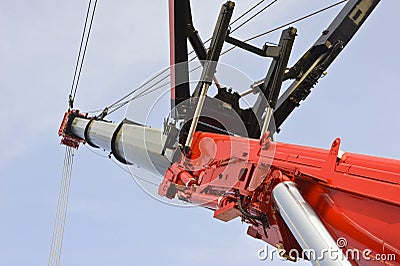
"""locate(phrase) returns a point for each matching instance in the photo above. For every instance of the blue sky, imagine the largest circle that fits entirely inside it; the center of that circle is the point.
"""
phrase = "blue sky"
(111, 220)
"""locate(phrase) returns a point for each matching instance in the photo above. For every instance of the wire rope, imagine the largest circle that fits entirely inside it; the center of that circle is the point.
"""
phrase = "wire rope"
(81, 54)
(62, 206)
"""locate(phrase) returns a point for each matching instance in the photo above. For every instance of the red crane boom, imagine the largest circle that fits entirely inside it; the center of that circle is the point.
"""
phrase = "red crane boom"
(356, 196)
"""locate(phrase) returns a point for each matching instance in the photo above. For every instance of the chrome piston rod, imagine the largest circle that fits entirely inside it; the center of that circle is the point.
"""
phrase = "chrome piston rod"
(306, 226)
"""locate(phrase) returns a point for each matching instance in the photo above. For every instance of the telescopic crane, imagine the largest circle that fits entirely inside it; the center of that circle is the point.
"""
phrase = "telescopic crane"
(213, 153)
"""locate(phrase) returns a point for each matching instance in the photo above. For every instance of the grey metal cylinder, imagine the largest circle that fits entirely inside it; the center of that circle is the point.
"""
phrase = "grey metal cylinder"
(138, 144)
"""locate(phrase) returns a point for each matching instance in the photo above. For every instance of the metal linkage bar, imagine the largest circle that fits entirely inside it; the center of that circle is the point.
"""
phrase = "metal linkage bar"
(181, 30)
(273, 81)
(266, 51)
(214, 52)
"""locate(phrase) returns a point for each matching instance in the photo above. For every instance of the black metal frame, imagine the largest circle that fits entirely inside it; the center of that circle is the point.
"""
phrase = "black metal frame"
(306, 72)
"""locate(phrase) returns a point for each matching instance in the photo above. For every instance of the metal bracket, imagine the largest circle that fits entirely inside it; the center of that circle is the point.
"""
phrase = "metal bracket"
(113, 148)
(266, 51)
(67, 137)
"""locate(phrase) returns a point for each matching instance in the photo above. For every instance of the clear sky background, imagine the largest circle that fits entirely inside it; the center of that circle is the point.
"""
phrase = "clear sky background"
(110, 220)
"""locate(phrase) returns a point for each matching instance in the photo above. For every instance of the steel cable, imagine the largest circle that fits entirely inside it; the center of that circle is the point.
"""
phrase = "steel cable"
(80, 48)
(81, 55)
(62, 206)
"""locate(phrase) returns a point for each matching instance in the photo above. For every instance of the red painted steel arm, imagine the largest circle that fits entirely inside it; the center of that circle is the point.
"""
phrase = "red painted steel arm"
(355, 196)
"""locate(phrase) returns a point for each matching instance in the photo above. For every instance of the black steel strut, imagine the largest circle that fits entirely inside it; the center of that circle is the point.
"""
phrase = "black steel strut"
(210, 65)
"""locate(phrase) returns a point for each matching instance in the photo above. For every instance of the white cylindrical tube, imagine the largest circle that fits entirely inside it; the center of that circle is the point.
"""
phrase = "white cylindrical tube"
(306, 226)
